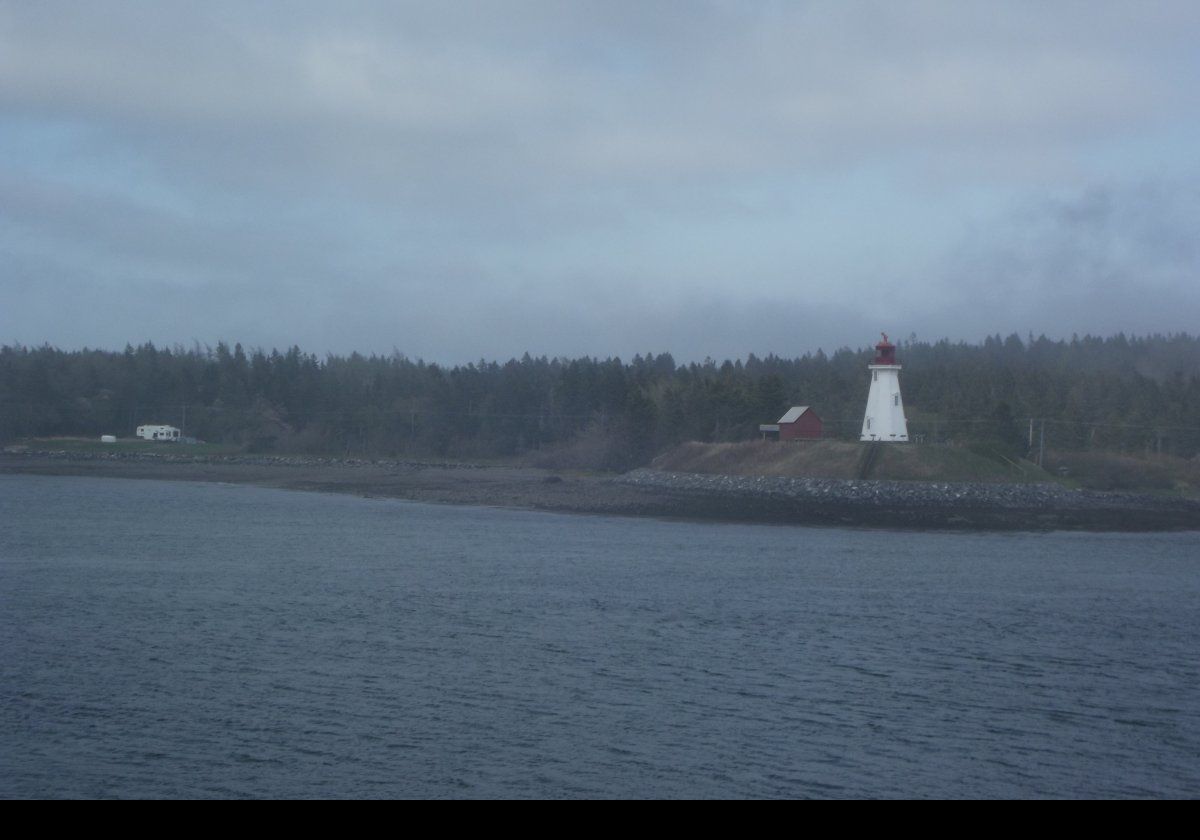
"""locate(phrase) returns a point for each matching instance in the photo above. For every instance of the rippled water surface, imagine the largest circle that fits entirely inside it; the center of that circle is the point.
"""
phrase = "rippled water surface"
(167, 640)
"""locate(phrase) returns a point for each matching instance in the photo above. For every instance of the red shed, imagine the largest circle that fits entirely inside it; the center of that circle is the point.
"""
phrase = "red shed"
(799, 422)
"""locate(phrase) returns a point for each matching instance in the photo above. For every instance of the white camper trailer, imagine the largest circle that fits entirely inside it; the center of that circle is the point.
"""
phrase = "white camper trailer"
(158, 433)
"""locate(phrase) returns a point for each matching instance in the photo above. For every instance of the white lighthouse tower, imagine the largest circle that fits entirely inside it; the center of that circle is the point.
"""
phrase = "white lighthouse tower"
(884, 419)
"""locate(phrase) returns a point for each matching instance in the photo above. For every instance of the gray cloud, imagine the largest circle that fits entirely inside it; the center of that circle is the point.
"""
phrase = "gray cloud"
(607, 89)
(1111, 258)
(485, 178)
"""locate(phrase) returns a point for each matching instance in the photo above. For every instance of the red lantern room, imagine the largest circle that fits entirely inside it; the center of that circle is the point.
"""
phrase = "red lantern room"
(885, 352)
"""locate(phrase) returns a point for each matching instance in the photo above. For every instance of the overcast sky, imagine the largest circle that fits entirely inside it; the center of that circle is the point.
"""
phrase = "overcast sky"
(466, 180)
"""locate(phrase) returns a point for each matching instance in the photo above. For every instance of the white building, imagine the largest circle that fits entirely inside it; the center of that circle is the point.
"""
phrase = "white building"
(884, 419)
(158, 433)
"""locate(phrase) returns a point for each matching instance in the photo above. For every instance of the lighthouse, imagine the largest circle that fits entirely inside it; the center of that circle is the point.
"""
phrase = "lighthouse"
(884, 419)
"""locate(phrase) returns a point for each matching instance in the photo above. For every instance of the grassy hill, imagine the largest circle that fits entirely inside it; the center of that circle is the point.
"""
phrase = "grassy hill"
(935, 462)
(842, 459)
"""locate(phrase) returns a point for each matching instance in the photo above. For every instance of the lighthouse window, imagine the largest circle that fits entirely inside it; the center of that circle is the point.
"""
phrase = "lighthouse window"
(895, 399)
(874, 376)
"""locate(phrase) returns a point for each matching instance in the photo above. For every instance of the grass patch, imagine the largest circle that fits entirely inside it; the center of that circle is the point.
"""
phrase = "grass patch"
(840, 459)
(941, 462)
(1111, 471)
(129, 446)
(817, 459)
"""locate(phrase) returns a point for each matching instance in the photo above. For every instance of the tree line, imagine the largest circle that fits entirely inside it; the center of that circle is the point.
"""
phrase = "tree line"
(1118, 393)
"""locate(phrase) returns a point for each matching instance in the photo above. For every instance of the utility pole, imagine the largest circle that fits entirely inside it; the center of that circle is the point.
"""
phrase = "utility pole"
(1042, 443)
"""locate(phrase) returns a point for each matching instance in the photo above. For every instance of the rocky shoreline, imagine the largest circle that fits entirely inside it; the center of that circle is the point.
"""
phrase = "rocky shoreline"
(913, 504)
(646, 492)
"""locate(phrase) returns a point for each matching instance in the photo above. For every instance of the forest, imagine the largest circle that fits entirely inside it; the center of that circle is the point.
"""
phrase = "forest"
(1133, 395)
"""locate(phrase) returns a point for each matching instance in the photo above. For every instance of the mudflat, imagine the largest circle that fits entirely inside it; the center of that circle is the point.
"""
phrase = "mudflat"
(467, 484)
(923, 505)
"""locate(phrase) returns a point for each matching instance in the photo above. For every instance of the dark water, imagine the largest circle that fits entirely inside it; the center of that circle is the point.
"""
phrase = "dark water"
(163, 639)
